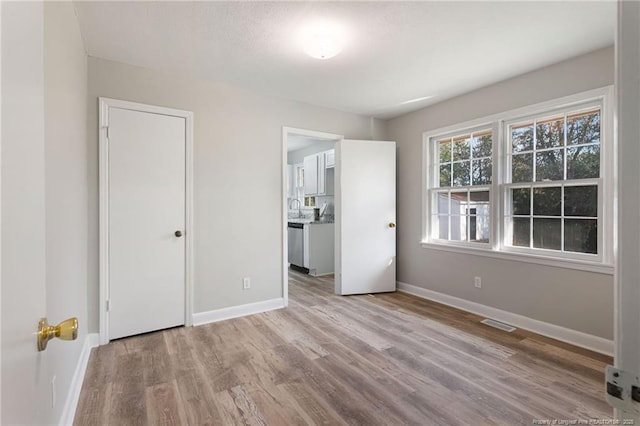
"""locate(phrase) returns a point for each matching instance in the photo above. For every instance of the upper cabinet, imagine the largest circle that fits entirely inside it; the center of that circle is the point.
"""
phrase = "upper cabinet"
(311, 175)
(315, 174)
(330, 158)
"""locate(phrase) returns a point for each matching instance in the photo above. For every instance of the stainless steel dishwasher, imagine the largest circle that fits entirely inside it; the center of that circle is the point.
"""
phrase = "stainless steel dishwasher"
(295, 233)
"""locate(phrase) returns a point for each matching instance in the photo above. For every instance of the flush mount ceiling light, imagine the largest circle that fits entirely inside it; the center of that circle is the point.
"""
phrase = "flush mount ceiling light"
(322, 40)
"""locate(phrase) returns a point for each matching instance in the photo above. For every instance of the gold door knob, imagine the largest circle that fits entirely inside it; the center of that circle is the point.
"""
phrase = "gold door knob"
(66, 330)
(392, 225)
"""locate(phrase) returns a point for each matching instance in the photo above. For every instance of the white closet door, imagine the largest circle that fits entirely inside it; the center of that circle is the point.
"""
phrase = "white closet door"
(146, 176)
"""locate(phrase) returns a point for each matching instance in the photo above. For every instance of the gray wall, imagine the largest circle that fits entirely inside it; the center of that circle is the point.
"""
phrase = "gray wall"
(238, 167)
(66, 187)
(570, 298)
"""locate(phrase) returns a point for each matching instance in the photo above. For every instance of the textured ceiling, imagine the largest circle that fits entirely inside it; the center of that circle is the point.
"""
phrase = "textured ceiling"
(395, 52)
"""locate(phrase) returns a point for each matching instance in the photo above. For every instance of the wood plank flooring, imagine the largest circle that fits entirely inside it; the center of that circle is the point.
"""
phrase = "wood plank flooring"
(385, 359)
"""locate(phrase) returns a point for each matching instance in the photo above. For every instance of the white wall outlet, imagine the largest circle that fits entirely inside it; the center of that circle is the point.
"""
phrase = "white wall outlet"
(477, 282)
(52, 391)
(246, 283)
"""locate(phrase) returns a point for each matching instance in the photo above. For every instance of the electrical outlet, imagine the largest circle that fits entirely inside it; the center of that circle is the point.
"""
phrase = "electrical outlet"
(246, 283)
(52, 391)
(477, 282)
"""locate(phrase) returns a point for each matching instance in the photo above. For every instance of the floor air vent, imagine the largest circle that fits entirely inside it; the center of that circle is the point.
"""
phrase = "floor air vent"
(500, 325)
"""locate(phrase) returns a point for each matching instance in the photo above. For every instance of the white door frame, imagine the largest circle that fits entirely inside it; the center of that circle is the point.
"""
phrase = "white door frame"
(286, 131)
(627, 273)
(105, 104)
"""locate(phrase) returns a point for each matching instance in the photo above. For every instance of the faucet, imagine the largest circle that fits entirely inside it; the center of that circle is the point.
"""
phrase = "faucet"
(299, 206)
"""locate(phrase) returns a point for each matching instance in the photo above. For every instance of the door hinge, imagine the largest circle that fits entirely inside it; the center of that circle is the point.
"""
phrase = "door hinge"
(623, 389)
(108, 305)
(106, 128)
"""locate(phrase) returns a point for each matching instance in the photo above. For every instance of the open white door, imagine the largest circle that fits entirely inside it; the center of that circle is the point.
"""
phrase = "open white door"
(365, 217)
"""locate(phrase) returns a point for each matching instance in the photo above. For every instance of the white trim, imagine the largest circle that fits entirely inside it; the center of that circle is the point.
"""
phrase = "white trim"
(577, 338)
(627, 280)
(68, 412)
(286, 131)
(595, 267)
(216, 315)
(103, 154)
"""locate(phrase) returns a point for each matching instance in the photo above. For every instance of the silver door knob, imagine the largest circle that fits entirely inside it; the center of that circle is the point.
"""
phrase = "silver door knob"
(178, 233)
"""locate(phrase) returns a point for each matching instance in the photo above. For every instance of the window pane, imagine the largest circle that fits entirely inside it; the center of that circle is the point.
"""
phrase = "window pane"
(445, 175)
(479, 203)
(442, 225)
(550, 133)
(583, 128)
(461, 173)
(521, 231)
(522, 168)
(547, 201)
(458, 228)
(550, 165)
(445, 150)
(481, 146)
(521, 201)
(581, 201)
(481, 172)
(522, 138)
(581, 235)
(547, 233)
(479, 229)
(461, 148)
(583, 162)
(459, 202)
(442, 201)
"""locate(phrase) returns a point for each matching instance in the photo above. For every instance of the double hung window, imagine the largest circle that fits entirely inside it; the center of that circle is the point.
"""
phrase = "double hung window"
(533, 182)
(553, 182)
(461, 200)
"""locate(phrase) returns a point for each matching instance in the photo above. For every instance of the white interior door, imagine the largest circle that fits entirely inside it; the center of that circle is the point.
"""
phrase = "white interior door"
(25, 372)
(365, 217)
(146, 179)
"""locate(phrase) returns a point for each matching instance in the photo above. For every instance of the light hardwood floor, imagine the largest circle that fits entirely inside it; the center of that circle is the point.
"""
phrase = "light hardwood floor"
(385, 359)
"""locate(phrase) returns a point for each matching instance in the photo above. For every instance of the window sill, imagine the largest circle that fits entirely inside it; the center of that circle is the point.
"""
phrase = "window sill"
(595, 267)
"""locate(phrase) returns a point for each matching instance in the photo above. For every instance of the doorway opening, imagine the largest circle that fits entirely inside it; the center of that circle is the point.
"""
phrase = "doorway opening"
(308, 197)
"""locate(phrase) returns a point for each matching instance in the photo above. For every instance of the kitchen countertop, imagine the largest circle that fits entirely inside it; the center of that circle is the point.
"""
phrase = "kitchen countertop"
(309, 221)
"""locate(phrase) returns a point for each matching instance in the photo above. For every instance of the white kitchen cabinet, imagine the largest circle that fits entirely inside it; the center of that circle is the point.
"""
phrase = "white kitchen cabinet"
(330, 158)
(315, 176)
(311, 175)
(321, 175)
(319, 246)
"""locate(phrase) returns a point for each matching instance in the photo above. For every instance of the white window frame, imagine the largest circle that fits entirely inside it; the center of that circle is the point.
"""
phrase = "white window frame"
(600, 263)
(432, 157)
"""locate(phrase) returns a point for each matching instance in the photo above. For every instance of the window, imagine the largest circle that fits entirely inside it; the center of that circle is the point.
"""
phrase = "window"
(554, 179)
(461, 208)
(535, 182)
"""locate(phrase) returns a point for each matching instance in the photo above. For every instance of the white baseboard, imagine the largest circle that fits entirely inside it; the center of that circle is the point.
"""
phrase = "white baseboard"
(70, 405)
(578, 338)
(237, 311)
